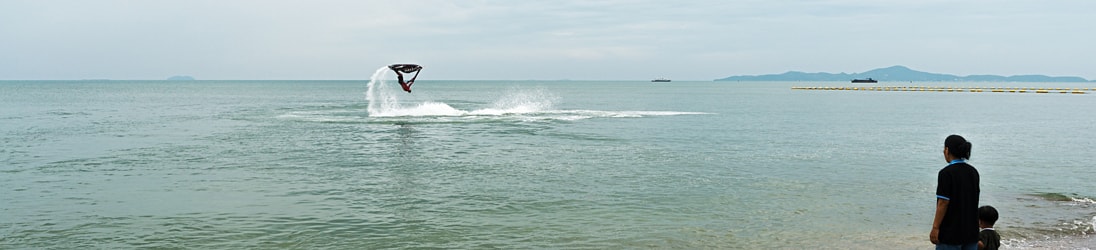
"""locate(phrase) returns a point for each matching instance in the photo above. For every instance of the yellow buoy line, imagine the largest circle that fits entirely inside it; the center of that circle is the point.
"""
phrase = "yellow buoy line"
(954, 89)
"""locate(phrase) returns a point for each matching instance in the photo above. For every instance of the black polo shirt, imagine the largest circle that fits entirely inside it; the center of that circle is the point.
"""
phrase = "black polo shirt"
(958, 183)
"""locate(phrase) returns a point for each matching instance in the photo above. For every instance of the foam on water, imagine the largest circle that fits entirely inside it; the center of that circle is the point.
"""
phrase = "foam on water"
(520, 102)
(423, 109)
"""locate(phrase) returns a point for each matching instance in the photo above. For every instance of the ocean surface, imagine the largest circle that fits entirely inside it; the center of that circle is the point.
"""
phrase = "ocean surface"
(528, 164)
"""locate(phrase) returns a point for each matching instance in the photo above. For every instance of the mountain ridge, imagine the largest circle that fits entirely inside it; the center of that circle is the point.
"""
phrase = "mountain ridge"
(899, 73)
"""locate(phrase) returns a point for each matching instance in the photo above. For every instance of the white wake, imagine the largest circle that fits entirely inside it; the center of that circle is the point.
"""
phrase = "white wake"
(529, 105)
(384, 101)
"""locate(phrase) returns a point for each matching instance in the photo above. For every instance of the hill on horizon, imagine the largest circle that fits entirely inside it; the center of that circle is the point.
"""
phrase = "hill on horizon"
(899, 73)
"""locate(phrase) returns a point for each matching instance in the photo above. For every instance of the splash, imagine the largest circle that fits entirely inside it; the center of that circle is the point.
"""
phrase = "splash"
(424, 109)
(381, 100)
(520, 102)
(385, 102)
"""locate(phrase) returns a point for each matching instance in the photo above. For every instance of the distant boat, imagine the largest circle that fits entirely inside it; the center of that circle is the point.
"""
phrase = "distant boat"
(660, 79)
(869, 80)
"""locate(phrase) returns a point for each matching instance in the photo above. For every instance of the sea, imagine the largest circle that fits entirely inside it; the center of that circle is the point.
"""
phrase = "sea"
(360, 164)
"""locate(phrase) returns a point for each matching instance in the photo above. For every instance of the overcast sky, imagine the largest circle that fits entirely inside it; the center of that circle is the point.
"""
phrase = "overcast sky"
(540, 40)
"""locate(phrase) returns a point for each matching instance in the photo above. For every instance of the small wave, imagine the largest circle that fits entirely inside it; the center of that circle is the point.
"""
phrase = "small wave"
(67, 113)
(1067, 235)
(1064, 242)
(1089, 201)
(1073, 198)
(1053, 196)
(324, 115)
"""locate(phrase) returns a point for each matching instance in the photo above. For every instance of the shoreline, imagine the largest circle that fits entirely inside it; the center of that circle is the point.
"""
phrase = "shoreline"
(1064, 242)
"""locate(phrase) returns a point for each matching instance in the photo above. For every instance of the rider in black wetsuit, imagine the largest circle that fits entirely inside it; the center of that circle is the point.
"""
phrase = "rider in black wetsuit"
(406, 68)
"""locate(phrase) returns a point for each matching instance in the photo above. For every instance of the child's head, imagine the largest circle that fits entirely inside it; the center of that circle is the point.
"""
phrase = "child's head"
(987, 215)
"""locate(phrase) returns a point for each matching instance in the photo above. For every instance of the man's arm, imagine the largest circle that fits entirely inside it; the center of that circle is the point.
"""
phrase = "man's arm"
(941, 209)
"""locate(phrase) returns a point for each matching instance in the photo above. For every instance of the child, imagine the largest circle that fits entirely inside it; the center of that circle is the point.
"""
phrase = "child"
(987, 237)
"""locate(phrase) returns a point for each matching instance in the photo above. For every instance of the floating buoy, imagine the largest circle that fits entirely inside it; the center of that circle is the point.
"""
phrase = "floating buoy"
(953, 89)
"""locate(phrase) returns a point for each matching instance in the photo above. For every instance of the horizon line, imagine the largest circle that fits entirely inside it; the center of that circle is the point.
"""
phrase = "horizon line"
(196, 80)
(493, 80)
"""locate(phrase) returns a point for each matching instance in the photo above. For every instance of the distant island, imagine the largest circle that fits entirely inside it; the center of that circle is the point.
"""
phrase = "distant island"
(180, 78)
(900, 74)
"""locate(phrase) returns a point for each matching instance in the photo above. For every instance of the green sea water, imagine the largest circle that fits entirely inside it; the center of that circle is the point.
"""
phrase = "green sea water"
(525, 164)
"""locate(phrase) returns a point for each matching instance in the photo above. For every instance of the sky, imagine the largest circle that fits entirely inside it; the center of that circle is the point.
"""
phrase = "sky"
(539, 40)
